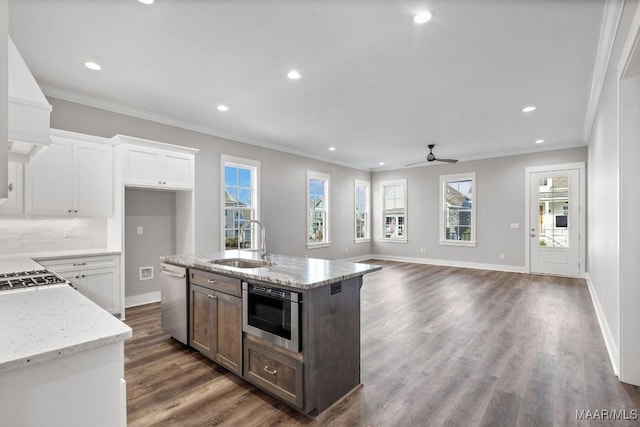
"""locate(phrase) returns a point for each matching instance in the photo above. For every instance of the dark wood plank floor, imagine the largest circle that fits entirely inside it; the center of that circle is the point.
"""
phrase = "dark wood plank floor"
(440, 346)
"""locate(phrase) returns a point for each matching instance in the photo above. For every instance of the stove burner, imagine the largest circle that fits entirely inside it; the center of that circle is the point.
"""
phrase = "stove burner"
(28, 279)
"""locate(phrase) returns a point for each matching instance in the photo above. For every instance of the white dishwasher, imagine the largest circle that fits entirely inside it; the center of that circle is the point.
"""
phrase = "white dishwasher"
(174, 301)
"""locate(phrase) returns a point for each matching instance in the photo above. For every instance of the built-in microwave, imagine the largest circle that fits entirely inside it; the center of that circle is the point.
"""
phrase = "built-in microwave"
(272, 314)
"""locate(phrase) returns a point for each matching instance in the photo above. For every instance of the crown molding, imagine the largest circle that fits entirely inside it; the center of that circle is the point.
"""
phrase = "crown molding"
(94, 102)
(608, 31)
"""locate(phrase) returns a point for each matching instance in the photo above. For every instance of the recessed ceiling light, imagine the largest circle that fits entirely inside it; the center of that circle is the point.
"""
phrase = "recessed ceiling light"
(223, 108)
(294, 75)
(146, 1)
(422, 17)
(93, 66)
(381, 163)
(528, 109)
(539, 141)
(332, 148)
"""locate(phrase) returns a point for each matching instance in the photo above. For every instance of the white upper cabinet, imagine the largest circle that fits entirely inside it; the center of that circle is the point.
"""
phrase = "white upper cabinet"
(153, 164)
(13, 205)
(70, 178)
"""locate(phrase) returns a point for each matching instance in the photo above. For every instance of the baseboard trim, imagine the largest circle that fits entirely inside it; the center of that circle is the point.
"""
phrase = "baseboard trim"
(609, 342)
(441, 262)
(141, 299)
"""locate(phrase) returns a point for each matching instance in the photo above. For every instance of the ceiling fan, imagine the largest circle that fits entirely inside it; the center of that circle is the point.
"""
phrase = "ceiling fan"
(432, 158)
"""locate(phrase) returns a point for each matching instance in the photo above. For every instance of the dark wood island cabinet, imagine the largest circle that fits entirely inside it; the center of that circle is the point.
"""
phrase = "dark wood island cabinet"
(327, 365)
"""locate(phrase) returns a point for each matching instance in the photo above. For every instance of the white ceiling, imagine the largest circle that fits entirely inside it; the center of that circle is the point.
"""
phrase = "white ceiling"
(374, 85)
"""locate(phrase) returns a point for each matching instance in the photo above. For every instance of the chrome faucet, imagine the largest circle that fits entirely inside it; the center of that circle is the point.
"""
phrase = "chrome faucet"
(263, 243)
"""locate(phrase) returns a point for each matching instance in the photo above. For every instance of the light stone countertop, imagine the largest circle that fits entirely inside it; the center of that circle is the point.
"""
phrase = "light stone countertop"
(24, 262)
(47, 322)
(294, 272)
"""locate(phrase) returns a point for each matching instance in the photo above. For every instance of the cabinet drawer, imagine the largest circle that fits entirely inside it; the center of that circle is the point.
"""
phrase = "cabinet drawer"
(274, 372)
(61, 265)
(216, 282)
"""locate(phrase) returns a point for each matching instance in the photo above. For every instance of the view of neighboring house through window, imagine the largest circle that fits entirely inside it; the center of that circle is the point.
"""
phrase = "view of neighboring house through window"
(394, 206)
(457, 214)
(317, 209)
(240, 189)
(362, 208)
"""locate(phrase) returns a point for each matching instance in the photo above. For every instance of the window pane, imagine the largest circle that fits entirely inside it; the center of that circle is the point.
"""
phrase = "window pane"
(458, 207)
(553, 210)
(244, 197)
(316, 226)
(244, 177)
(230, 196)
(230, 175)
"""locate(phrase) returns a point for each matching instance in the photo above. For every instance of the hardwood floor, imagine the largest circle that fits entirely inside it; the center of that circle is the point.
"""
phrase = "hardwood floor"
(440, 346)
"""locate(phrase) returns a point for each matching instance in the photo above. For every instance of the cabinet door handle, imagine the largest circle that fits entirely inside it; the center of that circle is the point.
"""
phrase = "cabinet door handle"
(69, 211)
(212, 281)
(10, 187)
(266, 369)
(75, 264)
(75, 211)
(164, 182)
(212, 296)
(77, 277)
(83, 276)
(159, 182)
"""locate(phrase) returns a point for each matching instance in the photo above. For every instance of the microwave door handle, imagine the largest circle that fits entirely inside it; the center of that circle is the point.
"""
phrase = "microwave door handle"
(169, 273)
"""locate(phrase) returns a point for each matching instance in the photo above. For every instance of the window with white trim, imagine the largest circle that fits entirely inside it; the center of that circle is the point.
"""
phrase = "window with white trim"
(394, 210)
(458, 209)
(362, 209)
(317, 209)
(240, 201)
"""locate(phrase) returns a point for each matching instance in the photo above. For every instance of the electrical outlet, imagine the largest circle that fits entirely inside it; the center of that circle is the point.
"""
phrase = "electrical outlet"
(346, 250)
(423, 251)
(146, 273)
(515, 225)
(501, 256)
(67, 232)
(140, 231)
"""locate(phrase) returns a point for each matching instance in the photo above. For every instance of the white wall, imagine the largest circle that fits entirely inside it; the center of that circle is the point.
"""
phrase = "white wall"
(4, 93)
(283, 182)
(603, 200)
(499, 200)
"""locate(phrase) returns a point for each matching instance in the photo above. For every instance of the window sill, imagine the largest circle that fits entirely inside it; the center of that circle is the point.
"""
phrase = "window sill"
(318, 245)
(393, 241)
(457, 243)
(361, 240)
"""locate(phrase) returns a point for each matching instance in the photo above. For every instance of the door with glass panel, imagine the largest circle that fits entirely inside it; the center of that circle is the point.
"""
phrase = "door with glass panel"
(554, 222)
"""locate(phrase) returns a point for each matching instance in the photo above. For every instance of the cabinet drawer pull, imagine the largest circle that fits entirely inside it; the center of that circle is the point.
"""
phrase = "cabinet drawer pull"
(75, 264)
(83, 276)
(10, 187)
(266, 369)
(212, 281)
(211, 296)
(69, 211)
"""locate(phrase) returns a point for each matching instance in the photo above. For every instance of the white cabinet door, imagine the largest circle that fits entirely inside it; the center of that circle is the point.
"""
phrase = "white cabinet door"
(13, 204)
(48, 181)
(93, 177)
(142, 167)
(178, 171)
(101, 286)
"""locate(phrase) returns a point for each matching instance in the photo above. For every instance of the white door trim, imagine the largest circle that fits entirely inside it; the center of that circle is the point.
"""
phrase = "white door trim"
(581, 204)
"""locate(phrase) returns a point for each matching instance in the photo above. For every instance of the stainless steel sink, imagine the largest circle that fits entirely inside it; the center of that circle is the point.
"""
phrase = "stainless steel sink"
(243, 263)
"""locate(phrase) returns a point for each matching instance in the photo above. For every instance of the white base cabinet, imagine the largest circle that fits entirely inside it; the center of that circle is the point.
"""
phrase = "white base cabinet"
(96, 277)
(82, 389)
(13, 206)
(70, 178)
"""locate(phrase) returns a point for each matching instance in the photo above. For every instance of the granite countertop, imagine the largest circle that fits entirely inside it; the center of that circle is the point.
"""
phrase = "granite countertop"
(294, 272)
(48, 322)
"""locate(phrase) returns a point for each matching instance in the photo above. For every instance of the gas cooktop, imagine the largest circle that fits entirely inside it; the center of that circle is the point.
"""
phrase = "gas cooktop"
(29, 279)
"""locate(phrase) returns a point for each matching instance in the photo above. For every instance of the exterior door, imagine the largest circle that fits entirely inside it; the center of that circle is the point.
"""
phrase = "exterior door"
(555, 222)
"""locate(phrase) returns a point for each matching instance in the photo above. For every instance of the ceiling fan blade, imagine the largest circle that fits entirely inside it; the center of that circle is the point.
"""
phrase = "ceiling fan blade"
(446, 160)
(417, 163)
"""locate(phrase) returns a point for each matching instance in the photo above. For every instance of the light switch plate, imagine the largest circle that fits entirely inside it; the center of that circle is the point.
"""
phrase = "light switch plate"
(146, 273)
(140, 231)
(515, 225)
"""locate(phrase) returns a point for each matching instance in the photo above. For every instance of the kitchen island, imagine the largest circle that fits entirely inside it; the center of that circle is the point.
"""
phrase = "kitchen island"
(318, 360)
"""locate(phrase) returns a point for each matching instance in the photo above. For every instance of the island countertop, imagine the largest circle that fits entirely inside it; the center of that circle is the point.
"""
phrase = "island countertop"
(294, 272)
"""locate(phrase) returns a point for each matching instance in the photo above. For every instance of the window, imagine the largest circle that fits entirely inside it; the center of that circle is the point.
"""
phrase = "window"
(457, 213)
(317, 209)
(394, 210)
(362, 208)
(240, 190)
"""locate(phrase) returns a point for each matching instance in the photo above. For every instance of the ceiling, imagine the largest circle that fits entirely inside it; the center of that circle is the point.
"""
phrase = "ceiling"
(374, 85)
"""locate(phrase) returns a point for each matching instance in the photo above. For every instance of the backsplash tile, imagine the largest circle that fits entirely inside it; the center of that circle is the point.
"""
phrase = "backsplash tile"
(19, 236)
